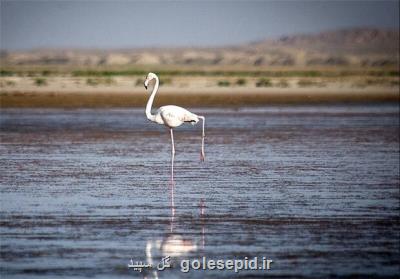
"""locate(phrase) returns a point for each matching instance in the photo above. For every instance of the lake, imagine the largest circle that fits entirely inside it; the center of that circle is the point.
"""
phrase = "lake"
(315, 189)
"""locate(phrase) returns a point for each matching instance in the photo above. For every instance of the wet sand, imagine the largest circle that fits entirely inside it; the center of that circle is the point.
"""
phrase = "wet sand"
(314, 188)
(214, 97)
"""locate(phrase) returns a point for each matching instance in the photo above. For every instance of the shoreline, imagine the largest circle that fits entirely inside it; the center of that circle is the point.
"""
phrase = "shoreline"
(194, 98)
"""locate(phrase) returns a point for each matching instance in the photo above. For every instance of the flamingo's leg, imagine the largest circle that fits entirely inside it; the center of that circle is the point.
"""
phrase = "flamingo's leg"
(172, 181)
(173, 155)
(203, 135)
(172, 207)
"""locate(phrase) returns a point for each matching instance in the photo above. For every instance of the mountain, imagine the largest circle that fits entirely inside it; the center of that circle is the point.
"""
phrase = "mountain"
(352, 46)
(355, 41)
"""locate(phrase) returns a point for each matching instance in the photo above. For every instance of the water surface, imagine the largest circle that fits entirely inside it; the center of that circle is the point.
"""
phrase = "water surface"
(314, 188)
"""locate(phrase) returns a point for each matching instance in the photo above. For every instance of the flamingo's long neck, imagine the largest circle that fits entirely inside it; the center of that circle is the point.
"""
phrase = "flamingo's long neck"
(150, 116)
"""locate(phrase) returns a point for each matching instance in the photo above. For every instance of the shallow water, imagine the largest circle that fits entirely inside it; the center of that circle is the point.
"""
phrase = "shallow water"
(313, 188)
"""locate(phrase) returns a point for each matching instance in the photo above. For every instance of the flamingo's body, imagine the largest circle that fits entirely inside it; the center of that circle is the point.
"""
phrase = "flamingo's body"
(172, 117)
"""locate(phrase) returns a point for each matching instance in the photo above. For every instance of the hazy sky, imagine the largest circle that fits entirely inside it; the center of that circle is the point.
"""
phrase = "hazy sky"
(120, 24)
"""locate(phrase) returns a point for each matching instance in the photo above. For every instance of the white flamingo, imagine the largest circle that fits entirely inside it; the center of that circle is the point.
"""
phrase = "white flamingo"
(172, 117)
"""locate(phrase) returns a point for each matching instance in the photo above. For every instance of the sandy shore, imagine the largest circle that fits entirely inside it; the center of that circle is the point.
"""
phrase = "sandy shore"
(120, 91)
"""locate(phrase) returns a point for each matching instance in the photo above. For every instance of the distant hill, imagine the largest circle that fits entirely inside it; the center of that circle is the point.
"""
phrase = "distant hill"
(353, 46)
(354, 41)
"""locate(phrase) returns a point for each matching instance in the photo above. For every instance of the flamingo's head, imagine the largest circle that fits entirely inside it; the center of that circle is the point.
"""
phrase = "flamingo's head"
(149, 77)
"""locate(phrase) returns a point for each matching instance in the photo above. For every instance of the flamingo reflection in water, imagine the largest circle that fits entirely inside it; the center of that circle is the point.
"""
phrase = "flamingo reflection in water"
(173, 245)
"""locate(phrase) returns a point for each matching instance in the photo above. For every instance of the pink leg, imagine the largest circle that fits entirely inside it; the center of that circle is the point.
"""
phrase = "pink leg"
(172, 180)
(203, 135)
(173, 155)
(172, 206)
(173, 199)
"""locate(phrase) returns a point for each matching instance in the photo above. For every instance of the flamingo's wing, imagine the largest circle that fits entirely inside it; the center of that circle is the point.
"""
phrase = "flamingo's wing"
(175, 116)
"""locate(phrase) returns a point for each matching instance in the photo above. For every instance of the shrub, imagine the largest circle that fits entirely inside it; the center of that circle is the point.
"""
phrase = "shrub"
(241, 82)
(139, 82)
(10, 83)
(40, 81)
(283, 83)
(164, 81)
(6, 73)
(92, 81)
(107, 81)
(46, 73)
(307, 83)
(264, 82)
(97, 81)
(224, 83)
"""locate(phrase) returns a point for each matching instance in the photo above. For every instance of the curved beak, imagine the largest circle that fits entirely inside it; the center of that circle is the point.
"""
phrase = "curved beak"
(146, 83)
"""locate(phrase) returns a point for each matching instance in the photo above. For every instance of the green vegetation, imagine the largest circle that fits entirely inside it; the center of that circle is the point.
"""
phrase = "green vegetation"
(376, 82)
(46, 73)
(6, 73)
(92, 81)
(139, 82)
(10, 83)
(250, 73)
(223, 83)
(309, 83)
(241, 82)
(283, 83)
(305, 83)
(99, 81)
(33, 71)
(165, 81)
(40, 81)
(264, 82)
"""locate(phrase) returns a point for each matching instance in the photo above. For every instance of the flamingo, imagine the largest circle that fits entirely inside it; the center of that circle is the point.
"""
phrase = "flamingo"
(172, 116)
